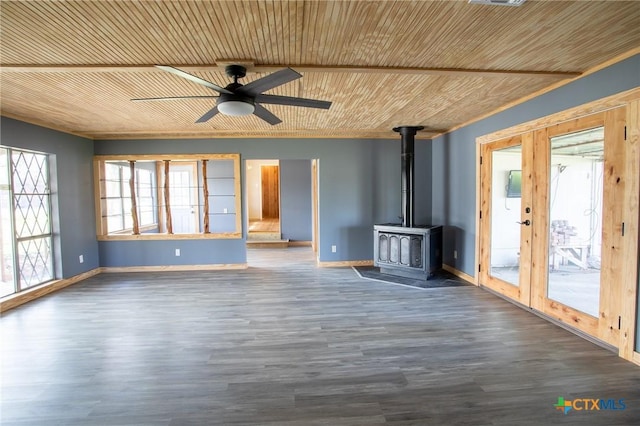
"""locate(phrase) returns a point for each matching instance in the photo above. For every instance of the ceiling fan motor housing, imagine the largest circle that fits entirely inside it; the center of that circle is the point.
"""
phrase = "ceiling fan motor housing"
(235, 71)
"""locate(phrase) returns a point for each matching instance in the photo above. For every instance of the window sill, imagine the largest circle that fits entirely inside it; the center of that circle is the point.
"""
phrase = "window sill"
(151, 237)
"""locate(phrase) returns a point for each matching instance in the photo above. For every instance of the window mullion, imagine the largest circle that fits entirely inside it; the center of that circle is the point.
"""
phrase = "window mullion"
(50, 221)
(167, 196)
(205, 196)
(33, 237)
(12, 215)
(132, 196)
(121, 195)
(16, 245)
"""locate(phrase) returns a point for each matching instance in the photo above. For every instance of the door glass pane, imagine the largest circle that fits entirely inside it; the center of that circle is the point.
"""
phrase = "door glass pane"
(506, 173)
(182, 198)
(575, 200)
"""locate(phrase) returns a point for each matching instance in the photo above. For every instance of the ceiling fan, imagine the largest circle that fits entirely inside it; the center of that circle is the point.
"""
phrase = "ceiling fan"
(243, 99)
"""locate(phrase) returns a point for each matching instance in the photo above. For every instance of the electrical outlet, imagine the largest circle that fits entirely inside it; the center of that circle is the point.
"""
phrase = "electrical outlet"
(225, 210)
(455, 254)
(177, 252)
(334, 249)
(81, 259)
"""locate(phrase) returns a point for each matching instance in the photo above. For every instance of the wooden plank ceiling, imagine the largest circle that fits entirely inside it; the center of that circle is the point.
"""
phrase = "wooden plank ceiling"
(76, 65)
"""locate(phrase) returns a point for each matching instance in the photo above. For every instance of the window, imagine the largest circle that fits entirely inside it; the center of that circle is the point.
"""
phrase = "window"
(118, 195)
(26, 256)
(145, 184)
(168, 196)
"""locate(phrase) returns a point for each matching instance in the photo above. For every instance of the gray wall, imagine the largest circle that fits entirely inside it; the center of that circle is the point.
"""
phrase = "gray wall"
(423, 175)
(359, 185)
(154, 253)
(454, 170)
(295, 200)
(72, 191)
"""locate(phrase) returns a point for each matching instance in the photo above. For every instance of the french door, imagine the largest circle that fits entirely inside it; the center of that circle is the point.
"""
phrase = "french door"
(551, 219)
(506, 218)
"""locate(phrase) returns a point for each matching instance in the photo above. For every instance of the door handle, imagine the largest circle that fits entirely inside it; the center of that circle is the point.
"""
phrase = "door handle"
(525, 223)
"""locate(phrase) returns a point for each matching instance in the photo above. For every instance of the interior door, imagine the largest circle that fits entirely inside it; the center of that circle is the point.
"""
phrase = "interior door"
(551, 206)
(270, 192)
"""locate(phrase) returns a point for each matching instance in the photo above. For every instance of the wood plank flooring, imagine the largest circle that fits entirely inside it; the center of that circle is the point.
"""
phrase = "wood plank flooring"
(286, 343)
(264, 225)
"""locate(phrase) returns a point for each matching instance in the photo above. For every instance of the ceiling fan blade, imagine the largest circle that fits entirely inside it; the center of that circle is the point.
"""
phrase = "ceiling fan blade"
(266, 115)
(270, 81)
(172, 98)
(193, 78)
(207, 116)
(287, 100)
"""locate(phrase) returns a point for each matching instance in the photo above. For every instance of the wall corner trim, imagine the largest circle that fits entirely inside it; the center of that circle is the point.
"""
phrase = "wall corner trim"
(23, 297)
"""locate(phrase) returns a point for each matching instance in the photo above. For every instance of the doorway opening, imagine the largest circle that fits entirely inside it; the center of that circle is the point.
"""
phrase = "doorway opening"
(263, 203)
(282, 204)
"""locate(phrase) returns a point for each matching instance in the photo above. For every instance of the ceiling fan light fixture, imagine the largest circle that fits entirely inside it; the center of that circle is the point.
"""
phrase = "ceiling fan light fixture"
(236, 108)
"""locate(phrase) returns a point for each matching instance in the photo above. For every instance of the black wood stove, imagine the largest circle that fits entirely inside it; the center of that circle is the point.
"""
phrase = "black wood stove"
(406, 249)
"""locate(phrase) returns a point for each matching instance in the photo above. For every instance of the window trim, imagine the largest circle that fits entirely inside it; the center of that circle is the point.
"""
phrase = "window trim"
(100, 203)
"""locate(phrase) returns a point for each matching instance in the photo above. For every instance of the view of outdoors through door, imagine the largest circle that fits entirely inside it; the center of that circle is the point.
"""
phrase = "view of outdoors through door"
(550, 227)
(575, 214)
(26, 256)
(506, 242)
(506, 178)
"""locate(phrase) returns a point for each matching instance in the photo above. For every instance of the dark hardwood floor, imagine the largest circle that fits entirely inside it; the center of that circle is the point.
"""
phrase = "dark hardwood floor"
(286, 343)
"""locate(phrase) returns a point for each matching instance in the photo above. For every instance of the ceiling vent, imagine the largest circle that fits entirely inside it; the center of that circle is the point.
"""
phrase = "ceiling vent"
(498, 2)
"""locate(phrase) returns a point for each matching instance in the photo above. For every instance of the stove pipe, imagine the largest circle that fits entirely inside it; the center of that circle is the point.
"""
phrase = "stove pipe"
(407, 134)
